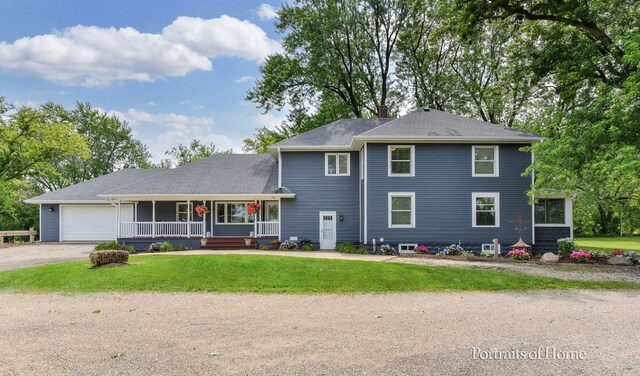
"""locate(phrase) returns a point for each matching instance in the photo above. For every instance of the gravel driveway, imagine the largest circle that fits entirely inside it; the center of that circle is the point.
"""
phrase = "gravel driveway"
(22, 256)
(386, 334)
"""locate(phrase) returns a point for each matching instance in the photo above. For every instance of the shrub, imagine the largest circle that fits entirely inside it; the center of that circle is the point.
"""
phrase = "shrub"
(105, 257)
(362, 251)
(518, 254)
(565, 247)
(129, 248)
(308, 247)
(110, 245)
(180, 247)
(633, 256)
(161, 247)
(453, 249)
(580, 256)
(386, 249)
(346, 247)
(265, 247)
(288, 245)
(486, 254)
(421, 250)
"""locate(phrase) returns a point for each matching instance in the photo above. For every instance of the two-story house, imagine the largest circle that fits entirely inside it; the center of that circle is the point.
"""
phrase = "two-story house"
(428, 177)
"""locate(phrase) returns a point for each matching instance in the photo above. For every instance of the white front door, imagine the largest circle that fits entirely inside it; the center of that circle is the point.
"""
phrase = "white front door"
(327, 230)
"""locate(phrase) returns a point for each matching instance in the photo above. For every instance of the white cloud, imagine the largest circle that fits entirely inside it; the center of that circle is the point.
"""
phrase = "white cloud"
(244, 79)
(95, 56)
(267, 12)
(151, 104)
(223, 36)
(171, 129)
(269, 120)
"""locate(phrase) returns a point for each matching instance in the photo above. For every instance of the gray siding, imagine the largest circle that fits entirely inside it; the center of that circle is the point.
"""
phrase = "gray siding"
(166, 211)
(443, 185)
(50, 222)
(547, 237)
(303, 174)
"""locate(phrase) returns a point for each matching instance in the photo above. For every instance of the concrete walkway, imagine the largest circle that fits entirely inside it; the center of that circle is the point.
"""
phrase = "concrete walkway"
(315, 254)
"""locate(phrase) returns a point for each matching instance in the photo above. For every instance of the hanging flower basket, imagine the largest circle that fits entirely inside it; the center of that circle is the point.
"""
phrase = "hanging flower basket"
(253, 208)
(202, 210)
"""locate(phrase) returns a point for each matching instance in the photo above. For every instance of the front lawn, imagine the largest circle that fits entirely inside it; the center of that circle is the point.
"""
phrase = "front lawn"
(609, 244)
(273, 274)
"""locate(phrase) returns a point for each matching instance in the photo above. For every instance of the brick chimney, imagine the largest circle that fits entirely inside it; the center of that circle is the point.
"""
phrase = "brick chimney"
(383, 112)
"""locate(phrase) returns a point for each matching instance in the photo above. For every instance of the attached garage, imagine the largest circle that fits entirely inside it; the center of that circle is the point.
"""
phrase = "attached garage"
(91, 222)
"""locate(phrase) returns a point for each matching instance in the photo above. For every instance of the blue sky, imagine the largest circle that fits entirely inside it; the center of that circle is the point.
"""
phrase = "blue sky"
(175, 70)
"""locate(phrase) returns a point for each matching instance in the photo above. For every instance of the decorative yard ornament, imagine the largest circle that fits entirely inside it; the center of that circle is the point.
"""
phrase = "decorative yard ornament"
(520, 227)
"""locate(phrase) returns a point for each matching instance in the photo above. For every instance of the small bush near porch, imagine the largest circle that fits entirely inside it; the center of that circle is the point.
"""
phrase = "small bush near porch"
(273, 274)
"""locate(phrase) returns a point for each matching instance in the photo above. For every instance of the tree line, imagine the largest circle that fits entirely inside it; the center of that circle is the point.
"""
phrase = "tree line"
(567, 70)
(50, 147)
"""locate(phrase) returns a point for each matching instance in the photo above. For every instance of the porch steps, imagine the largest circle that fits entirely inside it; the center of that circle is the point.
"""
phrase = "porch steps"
(229, 243)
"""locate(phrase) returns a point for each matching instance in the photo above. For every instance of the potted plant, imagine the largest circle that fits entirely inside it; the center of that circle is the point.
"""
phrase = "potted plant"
(275, 243)
(248, 241)
(203, 242)
(202, 210)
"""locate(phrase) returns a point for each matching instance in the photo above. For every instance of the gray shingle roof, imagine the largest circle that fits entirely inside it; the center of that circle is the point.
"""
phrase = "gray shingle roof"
(438, 124)
(217, 174)
(90, 189)
(338, 133)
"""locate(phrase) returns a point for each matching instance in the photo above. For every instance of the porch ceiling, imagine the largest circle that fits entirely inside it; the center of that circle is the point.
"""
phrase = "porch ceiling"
(178, 197)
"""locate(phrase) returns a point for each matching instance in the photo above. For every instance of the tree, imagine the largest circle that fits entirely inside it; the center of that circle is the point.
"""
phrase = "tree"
(338, 58)
(31, 146)
(111, 144)
(184, 154)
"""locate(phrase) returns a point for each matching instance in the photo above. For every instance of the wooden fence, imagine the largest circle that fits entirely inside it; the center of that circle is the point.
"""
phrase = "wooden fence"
(31, 233)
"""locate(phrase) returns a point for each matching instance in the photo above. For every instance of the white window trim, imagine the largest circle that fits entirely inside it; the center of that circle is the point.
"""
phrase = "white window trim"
(413, 208)
(474, 197)
(326, 164)
(413, 160)
(407, 247)
(496, 160)
(491, 247)
(190, 210)
(568, 213)
(246, 213)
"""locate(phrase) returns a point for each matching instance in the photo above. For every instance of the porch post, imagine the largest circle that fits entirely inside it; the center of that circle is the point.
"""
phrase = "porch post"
(153, 219)
(189, 214)
(204, 221)
(211, 223)
(119, 220)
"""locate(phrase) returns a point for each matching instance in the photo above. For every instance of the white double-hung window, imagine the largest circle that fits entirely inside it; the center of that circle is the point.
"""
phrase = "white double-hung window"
(401, 160)
(337, 164)
(486, 209)
(485, 161)
(402, 209)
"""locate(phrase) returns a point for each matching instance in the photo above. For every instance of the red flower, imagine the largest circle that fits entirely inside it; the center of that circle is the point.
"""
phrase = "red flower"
(253, 208)
(202, 210)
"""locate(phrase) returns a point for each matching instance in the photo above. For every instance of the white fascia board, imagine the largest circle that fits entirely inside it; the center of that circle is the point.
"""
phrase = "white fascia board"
(198, 197)
(444, 139)
(314, 148)
(33, 201)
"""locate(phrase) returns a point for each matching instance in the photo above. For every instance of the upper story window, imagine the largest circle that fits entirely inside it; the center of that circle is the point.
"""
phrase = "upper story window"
(184, 211)
(486, 209)
(550, 211)
(402, 209)
(401, 160)
(485, 160)
(337, 164)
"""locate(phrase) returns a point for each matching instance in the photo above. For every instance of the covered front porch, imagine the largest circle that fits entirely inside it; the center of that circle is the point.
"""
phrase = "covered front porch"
(193, 218)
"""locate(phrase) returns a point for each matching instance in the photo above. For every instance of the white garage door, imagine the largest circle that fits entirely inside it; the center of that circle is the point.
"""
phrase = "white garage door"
(91, 222)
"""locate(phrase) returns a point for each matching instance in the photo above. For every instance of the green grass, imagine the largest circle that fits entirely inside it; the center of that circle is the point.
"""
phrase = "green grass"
(245, 273)
(609, 244)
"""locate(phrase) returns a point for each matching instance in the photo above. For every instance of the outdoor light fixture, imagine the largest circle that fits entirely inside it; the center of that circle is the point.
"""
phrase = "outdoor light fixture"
(341, 217)
(52, 209)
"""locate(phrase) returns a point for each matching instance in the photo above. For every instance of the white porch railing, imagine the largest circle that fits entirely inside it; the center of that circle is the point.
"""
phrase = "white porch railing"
(263, 229)
(162, 229)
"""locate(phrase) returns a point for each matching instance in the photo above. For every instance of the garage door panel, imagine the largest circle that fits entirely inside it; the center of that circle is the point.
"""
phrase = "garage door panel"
(91, 223)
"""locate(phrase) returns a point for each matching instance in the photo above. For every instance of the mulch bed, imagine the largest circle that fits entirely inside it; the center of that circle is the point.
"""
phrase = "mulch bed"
(505, 260)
